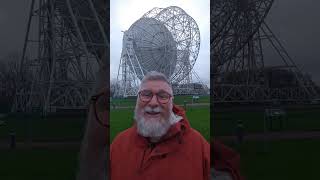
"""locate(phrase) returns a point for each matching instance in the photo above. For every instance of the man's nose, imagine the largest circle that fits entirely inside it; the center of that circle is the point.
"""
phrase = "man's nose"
(154, 101)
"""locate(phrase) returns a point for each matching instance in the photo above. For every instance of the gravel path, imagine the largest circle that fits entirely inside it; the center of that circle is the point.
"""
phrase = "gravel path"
(49, 145)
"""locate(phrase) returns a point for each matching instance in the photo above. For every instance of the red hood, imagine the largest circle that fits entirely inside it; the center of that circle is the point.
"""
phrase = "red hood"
(180, 127)
(225, 159)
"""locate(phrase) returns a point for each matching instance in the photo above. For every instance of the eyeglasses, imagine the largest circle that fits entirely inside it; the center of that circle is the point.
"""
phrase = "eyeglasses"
(162, 96)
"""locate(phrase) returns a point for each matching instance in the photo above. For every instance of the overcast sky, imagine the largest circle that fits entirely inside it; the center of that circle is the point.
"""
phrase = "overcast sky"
(295, 22)
(13, 22)
(123, 13)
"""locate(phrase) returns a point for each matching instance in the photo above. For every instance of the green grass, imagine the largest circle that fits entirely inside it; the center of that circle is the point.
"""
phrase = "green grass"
(285, 159)
(199, 119)
(38, 164)
(61, 164)
(72, 128)
(181, 99)
(297, 120)
(123, 102)
(43, 128)
(122, 119)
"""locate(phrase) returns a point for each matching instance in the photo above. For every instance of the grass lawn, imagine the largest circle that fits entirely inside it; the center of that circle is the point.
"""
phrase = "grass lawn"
(199, 118)
(39, 128)
(285, 159)
(297, 120)
(38, 164)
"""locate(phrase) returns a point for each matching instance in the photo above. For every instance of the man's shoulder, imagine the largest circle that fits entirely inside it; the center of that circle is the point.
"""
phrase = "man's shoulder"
(196, 136)
(123, 136)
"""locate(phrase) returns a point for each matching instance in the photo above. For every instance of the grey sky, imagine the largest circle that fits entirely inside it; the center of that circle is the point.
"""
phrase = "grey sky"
(123, 13)
(295, 22)
(13, 20)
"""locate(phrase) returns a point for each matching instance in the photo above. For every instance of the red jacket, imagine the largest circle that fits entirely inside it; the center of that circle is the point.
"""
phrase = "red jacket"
(181, 154)
(225, 159)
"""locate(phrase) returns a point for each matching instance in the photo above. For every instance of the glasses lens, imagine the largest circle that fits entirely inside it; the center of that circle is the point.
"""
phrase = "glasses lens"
(145, 95)
(163, 97)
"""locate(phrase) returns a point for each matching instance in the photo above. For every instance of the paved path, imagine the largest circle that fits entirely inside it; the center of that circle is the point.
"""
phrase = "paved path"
(37, 145)
(277, 136)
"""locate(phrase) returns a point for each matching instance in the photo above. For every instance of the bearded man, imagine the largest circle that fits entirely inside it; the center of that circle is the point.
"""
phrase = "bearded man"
(160, 144)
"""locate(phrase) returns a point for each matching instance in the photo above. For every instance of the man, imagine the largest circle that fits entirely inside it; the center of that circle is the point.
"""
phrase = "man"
(161, 144)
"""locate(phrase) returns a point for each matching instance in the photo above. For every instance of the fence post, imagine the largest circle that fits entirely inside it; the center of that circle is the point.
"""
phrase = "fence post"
(12, 139)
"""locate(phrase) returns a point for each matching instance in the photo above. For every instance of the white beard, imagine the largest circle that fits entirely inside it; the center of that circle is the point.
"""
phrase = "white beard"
(153, 128)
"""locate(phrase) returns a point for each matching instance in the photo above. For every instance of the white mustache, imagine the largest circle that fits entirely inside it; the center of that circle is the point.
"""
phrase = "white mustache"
(152, 110)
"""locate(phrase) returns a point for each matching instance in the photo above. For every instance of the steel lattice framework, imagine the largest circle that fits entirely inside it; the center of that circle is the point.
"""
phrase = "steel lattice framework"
(166, 40)
(64, 46)
(238, 70)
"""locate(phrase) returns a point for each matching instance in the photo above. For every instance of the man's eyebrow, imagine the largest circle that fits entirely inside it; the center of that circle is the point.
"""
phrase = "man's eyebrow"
(160, 91)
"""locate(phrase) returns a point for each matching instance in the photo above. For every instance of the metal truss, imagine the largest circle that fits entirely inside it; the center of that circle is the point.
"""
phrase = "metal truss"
(231, 93)
(129, 69)
(64, 46)
(186, 34)
(192, 86)
(238, 70)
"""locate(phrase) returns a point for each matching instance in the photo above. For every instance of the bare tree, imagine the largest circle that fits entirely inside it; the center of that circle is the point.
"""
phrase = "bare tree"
(9, 74)
(114, 86)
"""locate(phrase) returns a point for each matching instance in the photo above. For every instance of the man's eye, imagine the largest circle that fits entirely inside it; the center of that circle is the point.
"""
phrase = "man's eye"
(163, 95)
(146, 93)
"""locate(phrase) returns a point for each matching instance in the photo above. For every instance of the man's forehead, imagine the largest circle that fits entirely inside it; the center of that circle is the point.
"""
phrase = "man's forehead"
(156, 85)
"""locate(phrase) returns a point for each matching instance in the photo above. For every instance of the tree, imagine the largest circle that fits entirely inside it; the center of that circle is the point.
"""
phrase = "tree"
(114, 87)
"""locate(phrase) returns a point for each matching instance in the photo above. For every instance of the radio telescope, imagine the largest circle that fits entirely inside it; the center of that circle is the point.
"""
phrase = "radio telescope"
(239, 70)
(166, 40)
